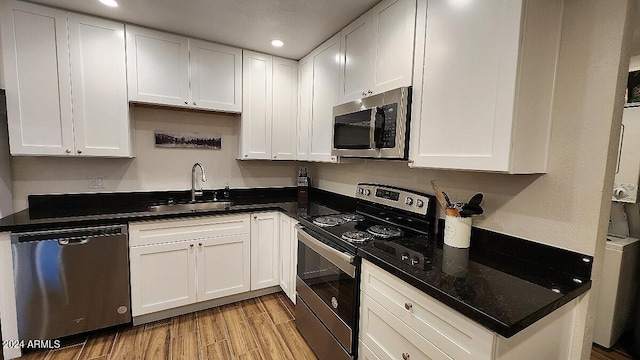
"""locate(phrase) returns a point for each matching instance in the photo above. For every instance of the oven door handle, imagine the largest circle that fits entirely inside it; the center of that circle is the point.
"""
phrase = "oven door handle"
(342, 260)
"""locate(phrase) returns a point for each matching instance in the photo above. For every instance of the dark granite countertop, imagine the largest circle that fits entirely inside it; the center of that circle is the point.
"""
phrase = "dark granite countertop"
(503, 283)
(48, 212)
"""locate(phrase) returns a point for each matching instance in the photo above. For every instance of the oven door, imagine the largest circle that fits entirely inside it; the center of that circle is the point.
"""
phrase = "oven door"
(327, 286)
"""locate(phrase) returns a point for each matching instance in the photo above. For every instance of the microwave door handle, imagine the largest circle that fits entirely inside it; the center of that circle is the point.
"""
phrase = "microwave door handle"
(378, 125)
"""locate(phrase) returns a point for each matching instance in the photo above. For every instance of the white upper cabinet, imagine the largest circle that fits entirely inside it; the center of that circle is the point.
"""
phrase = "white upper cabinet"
(305, 99)
(285, 109)
(216, 76)
(487, 73)
(98, 79)
(320, 75)
(174, 70)
(47, 58)
(377, 50)
(257, 106)
(269, 110)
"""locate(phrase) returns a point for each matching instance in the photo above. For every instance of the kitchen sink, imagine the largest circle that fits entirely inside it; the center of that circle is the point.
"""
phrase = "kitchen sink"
(191, 207)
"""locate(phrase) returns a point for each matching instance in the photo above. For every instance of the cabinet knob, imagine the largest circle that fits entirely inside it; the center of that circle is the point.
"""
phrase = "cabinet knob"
(408, 306)
(190, 245)
(255, 218)
(406, 356)
(275, 157)
(199, 244)
(364, 93)
(194, 103)
(68, 151)
(370, 92)
(79, 151)
(186, 103)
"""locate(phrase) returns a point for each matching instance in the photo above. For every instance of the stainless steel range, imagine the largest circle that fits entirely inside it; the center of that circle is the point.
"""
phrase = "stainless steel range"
(328, 276)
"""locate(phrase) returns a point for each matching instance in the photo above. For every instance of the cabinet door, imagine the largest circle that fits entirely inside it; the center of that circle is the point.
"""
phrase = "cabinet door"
(265, 253)
(355, 63)
(223, 266)
(156, 286)
(288, 256)
(305, 102)
(157, 67)
(393, 33)
(326, 78)
(285, 109)
(36, 62)
(257, 104)
(99, 82)
(216, 76)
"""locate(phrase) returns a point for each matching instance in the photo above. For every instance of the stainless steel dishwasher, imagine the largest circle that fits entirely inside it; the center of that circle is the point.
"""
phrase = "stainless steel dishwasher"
(71, 281)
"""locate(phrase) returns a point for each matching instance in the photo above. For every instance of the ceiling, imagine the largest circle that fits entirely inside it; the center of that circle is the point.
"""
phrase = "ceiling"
(249, 24)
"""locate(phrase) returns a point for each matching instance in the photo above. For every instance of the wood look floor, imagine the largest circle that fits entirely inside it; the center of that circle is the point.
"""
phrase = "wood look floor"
(260, 328)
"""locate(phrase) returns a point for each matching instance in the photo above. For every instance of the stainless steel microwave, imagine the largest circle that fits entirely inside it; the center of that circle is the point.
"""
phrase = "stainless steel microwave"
(373, 127)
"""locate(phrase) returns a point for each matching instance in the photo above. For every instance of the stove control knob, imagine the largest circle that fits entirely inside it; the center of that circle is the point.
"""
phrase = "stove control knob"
(404, 257)
(620, 192)
(419, 203)
(408, 200)
(367, 192)
(360, 191)
(414, 261)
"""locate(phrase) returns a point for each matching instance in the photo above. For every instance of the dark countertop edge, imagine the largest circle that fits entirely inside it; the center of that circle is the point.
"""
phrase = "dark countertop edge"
(123, 218)
(467, 310)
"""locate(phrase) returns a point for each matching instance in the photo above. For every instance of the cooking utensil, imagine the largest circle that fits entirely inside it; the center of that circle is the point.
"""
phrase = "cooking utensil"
(476, 199)
(439, 194)
(469, 210)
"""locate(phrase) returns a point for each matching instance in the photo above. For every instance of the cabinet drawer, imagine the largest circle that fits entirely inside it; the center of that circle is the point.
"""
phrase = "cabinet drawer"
(444, 327)
(389, 338)
(162, 231)
(364, 353)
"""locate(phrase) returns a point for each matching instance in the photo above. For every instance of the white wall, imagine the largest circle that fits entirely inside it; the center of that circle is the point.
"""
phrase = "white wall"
(153, 168)
(569, 206)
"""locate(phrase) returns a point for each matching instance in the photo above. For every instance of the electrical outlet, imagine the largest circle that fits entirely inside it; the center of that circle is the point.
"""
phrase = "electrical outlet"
(96, 182)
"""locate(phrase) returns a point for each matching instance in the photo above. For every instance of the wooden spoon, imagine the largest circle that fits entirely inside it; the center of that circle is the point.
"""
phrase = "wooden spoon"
(439, 194)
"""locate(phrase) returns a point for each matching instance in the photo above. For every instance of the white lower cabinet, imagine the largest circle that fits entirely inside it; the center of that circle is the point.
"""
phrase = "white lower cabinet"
(181, 262)
(288, 256)
(265, 252)
(398, 321)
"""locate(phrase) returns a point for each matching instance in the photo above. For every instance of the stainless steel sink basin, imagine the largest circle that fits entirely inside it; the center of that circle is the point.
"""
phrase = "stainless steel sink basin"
(191, 207)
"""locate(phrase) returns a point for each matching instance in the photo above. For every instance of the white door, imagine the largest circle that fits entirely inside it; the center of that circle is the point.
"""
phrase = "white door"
(393, 27)
(265, 253)
(305, 102)
(157, 67)
(326, 79)
(223, 266)
(285, 109)
(99, 83)
(163, 276)
(257, 102)
(38, 90)
(355, 63)
(216, 76)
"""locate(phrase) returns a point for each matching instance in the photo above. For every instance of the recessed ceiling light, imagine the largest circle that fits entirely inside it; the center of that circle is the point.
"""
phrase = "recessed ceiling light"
(110, 3)
(277, 43)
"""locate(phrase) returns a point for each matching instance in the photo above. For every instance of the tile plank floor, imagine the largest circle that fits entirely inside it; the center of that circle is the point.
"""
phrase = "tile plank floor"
(254, 329)
(260, 329)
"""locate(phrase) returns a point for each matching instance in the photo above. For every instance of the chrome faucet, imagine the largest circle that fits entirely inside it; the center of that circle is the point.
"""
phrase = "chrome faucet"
(193, 181)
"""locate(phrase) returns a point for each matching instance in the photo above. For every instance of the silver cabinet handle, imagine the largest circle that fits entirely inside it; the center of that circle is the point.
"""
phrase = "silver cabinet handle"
(194, 103)
(408, 306)
(364, 93)
(406, 356)
(79, 151)
(199, 244)
(191, 245)
(68, 151)
(186, 103)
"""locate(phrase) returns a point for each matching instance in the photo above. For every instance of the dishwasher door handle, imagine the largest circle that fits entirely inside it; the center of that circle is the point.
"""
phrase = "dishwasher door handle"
(69, 242)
